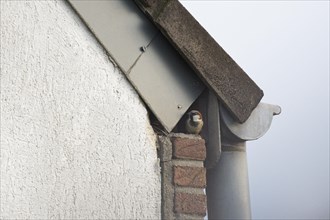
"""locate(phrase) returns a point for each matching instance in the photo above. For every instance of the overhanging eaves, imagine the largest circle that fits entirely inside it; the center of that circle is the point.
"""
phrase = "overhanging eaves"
(163, 69)
(211, 63)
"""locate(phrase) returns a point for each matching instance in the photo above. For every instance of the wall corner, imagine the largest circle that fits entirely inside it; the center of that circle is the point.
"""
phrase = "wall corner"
(183, 176)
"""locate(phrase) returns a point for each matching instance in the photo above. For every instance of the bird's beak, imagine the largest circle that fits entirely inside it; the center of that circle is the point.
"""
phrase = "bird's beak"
(196, 118)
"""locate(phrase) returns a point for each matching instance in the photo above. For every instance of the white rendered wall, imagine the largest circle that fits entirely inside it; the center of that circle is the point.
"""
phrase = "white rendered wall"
(75, 138)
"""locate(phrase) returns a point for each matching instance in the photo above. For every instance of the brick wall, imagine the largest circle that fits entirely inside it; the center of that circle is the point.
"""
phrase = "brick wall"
(183, 176)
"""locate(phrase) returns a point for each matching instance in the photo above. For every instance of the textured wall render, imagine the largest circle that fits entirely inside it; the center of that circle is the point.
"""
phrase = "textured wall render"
(75, 138)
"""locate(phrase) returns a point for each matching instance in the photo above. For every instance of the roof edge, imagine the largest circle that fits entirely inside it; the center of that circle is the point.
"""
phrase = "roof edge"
(238, 92)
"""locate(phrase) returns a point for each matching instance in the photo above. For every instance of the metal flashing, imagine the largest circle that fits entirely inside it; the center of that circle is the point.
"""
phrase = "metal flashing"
(160, 75)
(119, 26)
(166, 83)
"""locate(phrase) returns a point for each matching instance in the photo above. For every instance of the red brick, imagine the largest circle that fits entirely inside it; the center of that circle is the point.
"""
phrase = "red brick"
(188, 148)
(189, 176)
(190, 203)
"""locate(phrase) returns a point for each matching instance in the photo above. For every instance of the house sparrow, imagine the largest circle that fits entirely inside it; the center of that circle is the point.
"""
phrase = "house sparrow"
(194, 122)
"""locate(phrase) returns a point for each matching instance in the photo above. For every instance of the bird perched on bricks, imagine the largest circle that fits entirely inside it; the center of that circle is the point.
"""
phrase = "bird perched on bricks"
(194, 122)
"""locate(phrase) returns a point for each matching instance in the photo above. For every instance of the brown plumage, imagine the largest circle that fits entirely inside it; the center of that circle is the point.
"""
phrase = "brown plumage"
(194, 122)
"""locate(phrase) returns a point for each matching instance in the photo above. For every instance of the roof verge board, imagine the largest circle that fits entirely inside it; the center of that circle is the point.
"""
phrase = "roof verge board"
(211, 63)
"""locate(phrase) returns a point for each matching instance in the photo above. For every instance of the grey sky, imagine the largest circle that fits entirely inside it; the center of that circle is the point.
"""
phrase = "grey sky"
(284, 47)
